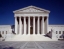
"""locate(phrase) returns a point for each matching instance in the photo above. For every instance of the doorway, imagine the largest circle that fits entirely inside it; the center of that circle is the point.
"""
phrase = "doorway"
(31, 30)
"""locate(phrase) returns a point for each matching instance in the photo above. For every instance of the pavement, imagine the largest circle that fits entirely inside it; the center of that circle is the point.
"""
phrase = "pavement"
(31, 44)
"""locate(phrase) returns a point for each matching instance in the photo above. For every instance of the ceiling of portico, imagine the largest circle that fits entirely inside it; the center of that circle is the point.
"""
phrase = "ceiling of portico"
(31, 9)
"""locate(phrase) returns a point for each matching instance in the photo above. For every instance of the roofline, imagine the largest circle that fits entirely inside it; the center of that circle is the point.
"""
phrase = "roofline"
(32, 6)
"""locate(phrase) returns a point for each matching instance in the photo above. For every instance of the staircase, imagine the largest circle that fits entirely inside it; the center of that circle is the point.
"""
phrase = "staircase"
(30, 38)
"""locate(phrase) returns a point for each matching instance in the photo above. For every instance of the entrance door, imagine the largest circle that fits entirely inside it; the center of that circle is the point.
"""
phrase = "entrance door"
(31, 30)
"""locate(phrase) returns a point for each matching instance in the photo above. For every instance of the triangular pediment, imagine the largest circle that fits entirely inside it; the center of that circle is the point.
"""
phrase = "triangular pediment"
(31, 9)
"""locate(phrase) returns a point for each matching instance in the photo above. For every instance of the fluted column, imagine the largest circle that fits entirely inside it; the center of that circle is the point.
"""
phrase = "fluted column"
(38, 22)
(47, 24)
(42, 26)
(33, 25)
(28, 25)
(20, 26)
(24, 25)
(16, 25)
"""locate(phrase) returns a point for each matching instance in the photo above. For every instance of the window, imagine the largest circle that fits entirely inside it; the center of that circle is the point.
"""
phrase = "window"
(2, 32)
(63, 32)
(6, 32)
(56, 32)
(59, 32)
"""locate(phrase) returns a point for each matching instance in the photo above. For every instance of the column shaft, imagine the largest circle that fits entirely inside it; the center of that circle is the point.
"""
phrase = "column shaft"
(47, 24)
(24, 25)
(16, 25)
(20, 25)
(42, 26)
(38, 26)
(33, 25)
(28, 25)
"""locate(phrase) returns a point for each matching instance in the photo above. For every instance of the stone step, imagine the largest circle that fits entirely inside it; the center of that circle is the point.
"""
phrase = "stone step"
(30, 38)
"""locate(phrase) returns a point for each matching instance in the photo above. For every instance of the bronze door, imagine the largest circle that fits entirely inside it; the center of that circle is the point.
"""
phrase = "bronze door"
(31, 30)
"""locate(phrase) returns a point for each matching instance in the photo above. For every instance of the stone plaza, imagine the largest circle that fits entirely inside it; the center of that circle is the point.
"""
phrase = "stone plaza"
(32, 45)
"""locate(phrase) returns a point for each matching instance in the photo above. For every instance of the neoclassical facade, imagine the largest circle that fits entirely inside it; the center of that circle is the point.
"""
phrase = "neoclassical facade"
(31, 23)
(31, 20)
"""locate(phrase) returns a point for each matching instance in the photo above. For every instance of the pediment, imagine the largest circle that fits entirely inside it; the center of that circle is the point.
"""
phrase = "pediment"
(31, 9)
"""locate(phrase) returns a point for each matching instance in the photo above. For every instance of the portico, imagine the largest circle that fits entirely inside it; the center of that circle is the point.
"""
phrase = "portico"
(31, 20)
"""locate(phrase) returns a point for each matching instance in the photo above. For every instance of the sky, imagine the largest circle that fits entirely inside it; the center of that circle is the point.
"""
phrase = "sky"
(56, 8)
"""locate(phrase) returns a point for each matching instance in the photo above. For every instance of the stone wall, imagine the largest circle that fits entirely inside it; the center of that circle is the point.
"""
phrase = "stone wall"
(57, 31)
(5, 30)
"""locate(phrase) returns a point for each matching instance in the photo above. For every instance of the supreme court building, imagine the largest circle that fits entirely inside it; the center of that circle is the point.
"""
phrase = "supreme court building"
(31, 20)
(31, 24)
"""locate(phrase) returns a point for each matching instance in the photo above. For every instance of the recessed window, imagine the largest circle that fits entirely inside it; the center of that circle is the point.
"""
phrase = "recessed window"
(56, 32)
(6, 32)
(59, 32)
(63, 32)
(2, 32)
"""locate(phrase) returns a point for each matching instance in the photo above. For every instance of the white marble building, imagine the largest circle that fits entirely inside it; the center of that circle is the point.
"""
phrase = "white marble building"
(33, 20)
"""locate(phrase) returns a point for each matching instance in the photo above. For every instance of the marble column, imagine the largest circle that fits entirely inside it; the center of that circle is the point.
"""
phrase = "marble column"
(42, 26)
(28, 25)
(38, 26)
(47, 24)
(33, 25)
(16, 25)
(24, 25)
(20, 26)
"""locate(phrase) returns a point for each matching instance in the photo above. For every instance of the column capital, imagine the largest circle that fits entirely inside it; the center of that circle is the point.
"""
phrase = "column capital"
(38, 16)
(47, 17)
(19, 17)
(15, 17)
(33, 16)
(25, 17)
(42, 17)
(28, 17)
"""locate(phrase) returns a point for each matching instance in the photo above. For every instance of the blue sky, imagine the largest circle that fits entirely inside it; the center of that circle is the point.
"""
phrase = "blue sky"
(8, 6)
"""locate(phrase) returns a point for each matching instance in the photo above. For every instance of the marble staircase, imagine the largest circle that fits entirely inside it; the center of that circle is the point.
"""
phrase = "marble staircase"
(30, 38)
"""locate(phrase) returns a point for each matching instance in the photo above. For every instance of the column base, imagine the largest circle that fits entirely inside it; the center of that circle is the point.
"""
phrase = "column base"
(24, 34)
(42, 34)
(34, 34)
(37, 34)
(28, 34)
(19, 34)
